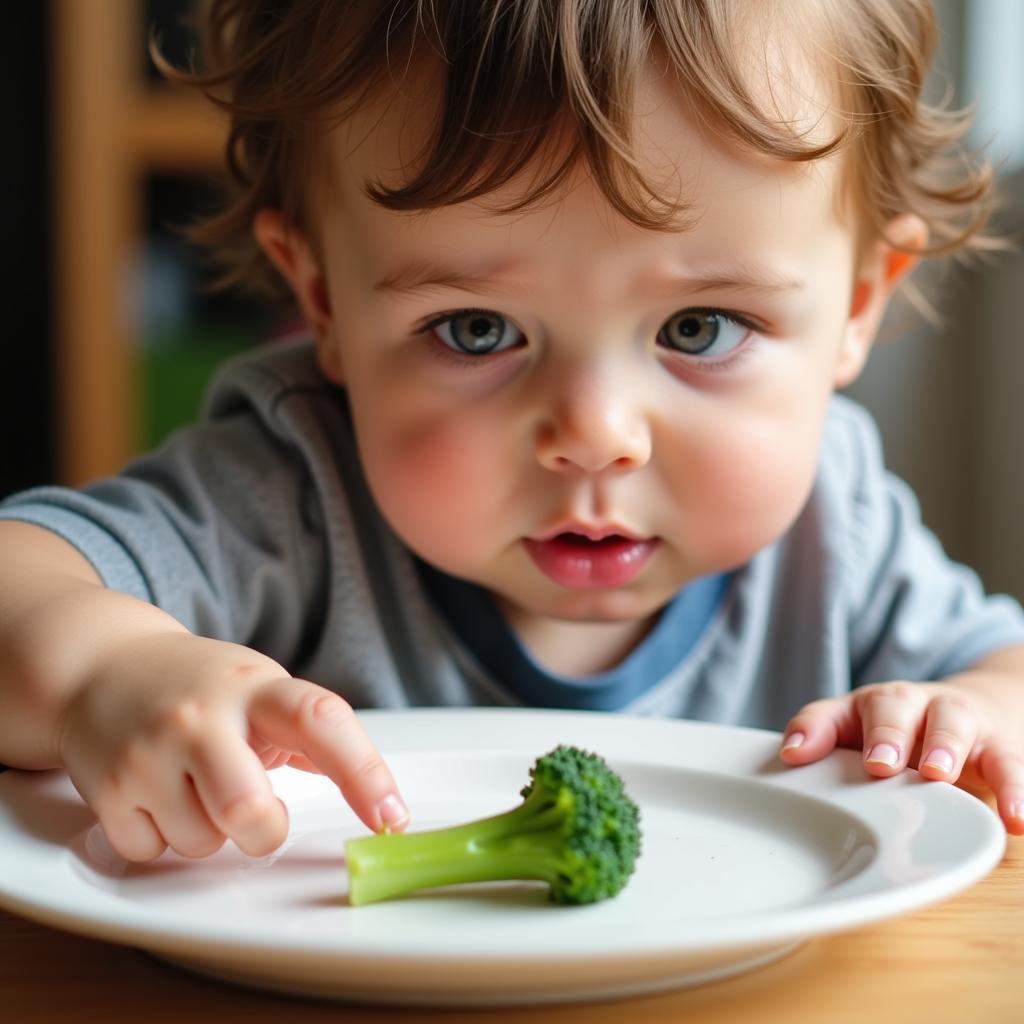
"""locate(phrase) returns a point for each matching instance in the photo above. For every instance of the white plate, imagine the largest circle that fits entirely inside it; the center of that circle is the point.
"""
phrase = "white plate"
(743, 860)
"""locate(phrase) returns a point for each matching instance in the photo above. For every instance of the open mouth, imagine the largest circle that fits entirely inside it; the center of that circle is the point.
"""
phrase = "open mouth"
(577, 561)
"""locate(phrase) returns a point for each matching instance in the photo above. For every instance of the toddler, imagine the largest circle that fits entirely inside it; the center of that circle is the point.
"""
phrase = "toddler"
(581, 280)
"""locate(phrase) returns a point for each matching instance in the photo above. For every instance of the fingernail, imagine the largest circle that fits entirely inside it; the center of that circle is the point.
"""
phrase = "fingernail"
(793, 740)
(883, 753)
(941, 759)
(1017, 810)
(392, 812)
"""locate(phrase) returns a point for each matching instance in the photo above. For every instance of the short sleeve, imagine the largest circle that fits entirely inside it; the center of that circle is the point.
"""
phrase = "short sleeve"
(216, 527)
(913, 612)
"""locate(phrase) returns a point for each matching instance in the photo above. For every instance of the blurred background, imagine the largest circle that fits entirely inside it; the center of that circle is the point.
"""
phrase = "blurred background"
(112, 335)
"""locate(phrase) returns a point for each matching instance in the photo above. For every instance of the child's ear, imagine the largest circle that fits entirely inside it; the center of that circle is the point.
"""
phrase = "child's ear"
(287, 248)
(880, 273)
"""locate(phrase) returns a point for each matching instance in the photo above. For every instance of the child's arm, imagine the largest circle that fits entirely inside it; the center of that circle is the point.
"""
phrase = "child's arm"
(969, 727)
(165, 734)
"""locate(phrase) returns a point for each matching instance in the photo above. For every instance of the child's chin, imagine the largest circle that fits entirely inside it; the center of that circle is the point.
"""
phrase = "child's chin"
(603, 605)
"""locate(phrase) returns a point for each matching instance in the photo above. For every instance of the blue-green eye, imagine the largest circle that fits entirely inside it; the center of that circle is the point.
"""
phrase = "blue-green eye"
(476, 332)
(702, 332)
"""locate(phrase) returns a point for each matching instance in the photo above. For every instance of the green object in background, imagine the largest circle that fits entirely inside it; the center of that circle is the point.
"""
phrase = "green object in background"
(176, 366)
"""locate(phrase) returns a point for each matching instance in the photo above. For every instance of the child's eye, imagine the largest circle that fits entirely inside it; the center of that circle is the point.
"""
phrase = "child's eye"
(476, 332)
(703, 332)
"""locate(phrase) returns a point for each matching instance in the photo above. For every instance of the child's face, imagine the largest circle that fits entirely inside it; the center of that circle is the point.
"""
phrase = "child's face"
(592, 388)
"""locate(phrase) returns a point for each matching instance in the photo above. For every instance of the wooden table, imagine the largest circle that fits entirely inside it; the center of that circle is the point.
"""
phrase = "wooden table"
(961, 962)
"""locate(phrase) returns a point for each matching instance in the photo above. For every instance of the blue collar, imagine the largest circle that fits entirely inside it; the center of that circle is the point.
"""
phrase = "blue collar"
(472, 614)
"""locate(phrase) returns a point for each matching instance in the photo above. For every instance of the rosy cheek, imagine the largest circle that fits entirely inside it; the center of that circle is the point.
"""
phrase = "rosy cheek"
(435, 482)
(752, 486)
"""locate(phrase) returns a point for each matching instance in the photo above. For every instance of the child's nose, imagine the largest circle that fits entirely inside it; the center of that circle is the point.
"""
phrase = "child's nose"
(594, 425)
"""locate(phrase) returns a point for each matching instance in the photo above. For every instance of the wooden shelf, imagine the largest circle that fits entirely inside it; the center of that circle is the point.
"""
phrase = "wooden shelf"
(111, 129)
(168, 131)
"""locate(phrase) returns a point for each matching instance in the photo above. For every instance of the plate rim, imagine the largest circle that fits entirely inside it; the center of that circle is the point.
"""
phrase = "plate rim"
(787, 925)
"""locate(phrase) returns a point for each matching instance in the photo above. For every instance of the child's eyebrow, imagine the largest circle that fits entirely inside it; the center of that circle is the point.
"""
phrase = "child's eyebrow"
(747, 279)
(422, 275)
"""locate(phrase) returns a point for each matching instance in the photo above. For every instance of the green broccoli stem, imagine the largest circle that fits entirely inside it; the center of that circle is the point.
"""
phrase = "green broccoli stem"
(523, 843)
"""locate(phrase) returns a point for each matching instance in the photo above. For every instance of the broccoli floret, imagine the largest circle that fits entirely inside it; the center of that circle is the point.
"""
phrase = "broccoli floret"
(576, 829)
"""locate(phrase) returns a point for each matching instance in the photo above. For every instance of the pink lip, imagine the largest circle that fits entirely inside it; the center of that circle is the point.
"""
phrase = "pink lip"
(589, 532)
(582, 560)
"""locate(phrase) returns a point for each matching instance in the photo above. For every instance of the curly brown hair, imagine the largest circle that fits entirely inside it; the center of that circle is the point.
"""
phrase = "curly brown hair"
(519, 72)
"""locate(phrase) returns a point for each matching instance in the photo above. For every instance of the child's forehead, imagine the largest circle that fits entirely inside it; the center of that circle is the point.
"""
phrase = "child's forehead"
(384, 143)
(769, 221)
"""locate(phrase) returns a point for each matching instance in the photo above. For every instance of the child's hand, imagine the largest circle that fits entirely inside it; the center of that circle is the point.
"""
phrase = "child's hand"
(947, 732)
(169, 742)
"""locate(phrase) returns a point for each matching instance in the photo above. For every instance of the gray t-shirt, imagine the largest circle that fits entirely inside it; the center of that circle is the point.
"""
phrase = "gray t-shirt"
(256, 526)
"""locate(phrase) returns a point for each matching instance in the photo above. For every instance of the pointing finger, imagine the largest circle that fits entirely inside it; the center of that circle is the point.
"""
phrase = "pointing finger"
(306, 719)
